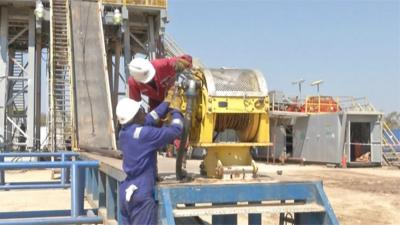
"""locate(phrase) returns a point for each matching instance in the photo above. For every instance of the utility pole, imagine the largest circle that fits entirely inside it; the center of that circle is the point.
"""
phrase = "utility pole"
(299, 83)
(317, 83)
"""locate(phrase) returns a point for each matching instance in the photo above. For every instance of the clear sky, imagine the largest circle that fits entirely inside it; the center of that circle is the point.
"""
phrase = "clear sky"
(354, 46)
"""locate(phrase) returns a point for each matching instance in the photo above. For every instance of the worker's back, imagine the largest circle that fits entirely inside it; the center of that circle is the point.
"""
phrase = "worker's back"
(139, 161)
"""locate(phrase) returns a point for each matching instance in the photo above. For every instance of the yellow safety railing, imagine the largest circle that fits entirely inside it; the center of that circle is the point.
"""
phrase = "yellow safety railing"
(140, 3)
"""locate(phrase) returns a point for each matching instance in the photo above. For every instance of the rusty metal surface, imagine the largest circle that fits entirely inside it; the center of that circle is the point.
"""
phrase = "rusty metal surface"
(93, 103)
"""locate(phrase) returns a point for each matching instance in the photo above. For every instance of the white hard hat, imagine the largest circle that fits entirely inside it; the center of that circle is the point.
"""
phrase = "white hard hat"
(126, 110)
(141, 70)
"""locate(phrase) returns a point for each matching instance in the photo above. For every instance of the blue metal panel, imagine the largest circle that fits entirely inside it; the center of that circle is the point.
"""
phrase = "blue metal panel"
(77, 190)
(224, 219)
(191, 194)
(87, 176)
(53, 221)
(2, 177)
(309, 218)
(102, 189)
(67, 175)
(170, 196)
(95, 183)
(282, 216)
(63, 170)
(254, 219)
(329, 216)
(119, 216)
(166, 215)
(111, 198)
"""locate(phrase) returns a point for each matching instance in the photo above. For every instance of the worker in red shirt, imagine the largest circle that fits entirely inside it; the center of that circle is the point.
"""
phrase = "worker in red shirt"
(154, 78)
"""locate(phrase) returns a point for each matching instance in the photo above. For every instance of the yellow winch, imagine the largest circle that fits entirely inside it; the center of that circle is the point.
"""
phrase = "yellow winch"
(227, 113)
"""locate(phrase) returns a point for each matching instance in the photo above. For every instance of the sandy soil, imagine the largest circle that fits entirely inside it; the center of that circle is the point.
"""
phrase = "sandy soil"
(358, 196)
(33, 200)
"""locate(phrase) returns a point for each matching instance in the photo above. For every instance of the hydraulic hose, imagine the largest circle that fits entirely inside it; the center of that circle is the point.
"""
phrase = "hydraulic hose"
(181, 152)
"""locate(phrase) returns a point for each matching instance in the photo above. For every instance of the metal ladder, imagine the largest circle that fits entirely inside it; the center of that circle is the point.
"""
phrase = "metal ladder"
(60, 119)
(390, 147)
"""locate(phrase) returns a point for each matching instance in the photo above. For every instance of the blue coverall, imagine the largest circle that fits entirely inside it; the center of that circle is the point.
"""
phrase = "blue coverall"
(138, 144)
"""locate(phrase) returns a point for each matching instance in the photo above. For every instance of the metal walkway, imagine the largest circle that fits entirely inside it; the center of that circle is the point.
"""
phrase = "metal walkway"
(297, 202)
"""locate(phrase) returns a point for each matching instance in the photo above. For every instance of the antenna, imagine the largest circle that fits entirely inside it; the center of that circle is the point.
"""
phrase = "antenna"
(299, 83)
(317, 83)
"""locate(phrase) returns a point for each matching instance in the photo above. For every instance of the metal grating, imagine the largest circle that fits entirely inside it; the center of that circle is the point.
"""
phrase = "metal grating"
(235, 82)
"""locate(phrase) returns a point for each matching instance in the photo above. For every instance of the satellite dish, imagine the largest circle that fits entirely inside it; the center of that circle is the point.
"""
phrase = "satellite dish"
(317, 82)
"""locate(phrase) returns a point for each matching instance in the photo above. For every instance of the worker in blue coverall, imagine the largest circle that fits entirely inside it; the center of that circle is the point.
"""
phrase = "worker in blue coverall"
(139, 138)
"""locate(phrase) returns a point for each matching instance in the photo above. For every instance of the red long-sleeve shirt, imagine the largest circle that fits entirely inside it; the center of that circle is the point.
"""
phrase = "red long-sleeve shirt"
(163, 79)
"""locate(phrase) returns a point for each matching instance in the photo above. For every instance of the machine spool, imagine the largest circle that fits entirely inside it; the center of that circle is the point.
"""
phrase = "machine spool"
(231, 121)
(245, 125)
(225, 100)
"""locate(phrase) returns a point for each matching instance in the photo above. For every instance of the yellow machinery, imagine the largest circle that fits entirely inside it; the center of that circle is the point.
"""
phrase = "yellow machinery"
(226, 113)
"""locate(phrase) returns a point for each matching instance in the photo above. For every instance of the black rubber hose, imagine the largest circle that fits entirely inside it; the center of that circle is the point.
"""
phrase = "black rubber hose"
(181, 152)
(191, 93)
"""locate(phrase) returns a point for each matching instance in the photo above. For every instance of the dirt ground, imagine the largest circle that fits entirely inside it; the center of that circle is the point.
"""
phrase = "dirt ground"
(33, 200)
(357, 195)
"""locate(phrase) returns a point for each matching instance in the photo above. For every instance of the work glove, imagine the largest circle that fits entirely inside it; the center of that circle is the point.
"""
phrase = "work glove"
(175, 102)
(170, 94)
(182, 63)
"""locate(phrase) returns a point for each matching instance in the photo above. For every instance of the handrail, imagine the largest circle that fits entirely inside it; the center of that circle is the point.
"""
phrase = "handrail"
(391, 135)
(77, 213)
(74, 142)
(44, 165)
(51, 82)
(140, 3)
(38, 154)
(63, 156)
(391, 142)
(321, 104)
